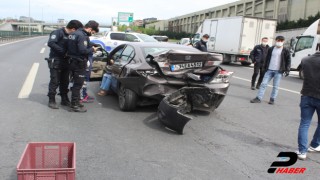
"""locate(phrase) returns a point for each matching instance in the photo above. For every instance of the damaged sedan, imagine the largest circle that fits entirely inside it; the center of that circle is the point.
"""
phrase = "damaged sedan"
(180, 78)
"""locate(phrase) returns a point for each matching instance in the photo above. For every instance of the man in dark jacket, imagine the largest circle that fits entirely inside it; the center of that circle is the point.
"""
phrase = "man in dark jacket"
(202, 44)
(78, 50)
(278, 63)
(59, 64)
(258, 56)
(310, 102)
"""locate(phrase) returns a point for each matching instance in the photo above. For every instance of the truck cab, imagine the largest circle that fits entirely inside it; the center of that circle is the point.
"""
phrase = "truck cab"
(306, 45)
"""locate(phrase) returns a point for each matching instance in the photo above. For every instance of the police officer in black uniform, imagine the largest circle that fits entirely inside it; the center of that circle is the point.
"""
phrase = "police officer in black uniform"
(202, 44)
(79, 48)
(59, 64)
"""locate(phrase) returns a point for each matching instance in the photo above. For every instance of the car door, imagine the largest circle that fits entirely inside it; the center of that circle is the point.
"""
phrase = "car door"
(121, 59)
(99, 59)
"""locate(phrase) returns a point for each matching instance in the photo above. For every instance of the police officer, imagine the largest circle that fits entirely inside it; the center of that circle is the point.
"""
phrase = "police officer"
(59, 64)
(78, 50)
(202, 44)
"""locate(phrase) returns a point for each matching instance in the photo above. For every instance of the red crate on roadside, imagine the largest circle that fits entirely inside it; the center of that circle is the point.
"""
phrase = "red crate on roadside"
(48, 161)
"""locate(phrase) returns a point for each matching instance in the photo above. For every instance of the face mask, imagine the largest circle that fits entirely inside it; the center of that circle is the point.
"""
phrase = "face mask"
(205, 40)
(264, 43)
(279, 44)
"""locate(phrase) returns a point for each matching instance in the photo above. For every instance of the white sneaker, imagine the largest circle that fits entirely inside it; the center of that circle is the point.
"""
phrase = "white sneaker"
(312, 149)
(301, 156)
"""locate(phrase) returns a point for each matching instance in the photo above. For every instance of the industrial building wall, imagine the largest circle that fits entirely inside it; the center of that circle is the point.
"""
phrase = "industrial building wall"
(274, 9)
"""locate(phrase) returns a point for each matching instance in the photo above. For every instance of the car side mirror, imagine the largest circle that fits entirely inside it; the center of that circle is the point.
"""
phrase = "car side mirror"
(136, 40)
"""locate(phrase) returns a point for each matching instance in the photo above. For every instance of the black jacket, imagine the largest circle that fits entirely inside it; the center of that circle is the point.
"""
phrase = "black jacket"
(79, 45)
(259, 54)
(311, 70)
(58, 43)
(201, 45)
(285, 59)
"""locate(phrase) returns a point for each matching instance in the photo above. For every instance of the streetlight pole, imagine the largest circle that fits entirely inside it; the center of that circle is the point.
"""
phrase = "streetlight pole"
(29, 20)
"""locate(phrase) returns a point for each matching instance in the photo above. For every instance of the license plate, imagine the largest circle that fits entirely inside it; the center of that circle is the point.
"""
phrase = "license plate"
(176, 67)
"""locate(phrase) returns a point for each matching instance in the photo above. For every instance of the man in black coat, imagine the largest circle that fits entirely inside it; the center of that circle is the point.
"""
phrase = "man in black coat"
(258, 56)
(59, 64)
(79, 48)
(310, 102)
(202, 44)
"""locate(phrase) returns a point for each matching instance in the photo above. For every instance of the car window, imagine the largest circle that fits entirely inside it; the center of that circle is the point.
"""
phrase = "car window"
(116, 55)
(117, 36)
(127, 54)
(130, 37)
(146, 38)
(304, 43)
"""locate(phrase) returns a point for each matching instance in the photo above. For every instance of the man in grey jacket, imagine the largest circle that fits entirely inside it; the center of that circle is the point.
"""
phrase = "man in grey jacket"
(310, 102)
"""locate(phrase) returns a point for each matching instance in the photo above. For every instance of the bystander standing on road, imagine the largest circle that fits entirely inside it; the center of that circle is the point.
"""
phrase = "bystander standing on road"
(59, 63)
(310, 102)
(202, 44)
(258, 56)
(278, 63)
(79, 49)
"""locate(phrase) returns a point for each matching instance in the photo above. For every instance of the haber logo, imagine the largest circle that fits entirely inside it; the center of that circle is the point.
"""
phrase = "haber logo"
(282, 166)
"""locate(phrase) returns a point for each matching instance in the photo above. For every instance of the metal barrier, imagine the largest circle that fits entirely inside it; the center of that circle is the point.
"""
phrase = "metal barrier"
(8, 36)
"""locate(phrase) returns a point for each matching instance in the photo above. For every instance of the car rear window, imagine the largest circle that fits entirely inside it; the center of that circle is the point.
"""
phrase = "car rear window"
(117, 36)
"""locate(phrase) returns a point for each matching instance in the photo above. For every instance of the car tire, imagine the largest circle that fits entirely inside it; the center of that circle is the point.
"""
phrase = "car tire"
(245, 63)
(301, 75)
(127, 99)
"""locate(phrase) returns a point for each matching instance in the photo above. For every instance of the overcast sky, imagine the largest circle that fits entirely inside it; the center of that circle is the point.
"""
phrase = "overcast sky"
(103, 10)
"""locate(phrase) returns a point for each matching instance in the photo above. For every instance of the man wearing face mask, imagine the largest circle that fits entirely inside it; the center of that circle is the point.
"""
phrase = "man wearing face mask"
(258, 56)
(202, 44)
(278, 63)
(78, 50)
(59, 64)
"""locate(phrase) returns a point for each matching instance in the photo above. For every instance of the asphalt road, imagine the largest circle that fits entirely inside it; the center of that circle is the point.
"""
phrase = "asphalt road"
(239, 140)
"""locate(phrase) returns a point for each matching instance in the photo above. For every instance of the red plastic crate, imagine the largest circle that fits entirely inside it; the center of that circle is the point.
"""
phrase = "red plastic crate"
(48, 161)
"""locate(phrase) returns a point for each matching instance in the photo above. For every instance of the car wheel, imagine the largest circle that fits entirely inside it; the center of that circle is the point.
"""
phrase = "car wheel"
(245, 63)
(301, 75)
(127, 99)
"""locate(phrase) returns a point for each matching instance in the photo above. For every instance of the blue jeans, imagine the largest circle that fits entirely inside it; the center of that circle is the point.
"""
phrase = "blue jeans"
(106, 82)
(308, 106)
(276, 75)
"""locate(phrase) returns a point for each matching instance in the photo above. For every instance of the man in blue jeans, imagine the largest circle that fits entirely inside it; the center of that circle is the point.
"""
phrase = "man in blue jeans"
(310, 102)
(278, 62)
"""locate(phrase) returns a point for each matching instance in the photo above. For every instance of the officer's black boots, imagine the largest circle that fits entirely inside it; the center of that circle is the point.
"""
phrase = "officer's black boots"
(52, 103)
(65, 100)
(77, 107)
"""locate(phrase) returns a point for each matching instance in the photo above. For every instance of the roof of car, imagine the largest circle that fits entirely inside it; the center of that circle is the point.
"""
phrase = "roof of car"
(157, 44)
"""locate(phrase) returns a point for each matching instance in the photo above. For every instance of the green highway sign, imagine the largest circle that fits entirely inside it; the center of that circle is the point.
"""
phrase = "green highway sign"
(125, 17)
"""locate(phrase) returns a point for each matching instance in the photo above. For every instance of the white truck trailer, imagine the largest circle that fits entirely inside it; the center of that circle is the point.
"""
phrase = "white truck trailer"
(235, 37)
(306, 44)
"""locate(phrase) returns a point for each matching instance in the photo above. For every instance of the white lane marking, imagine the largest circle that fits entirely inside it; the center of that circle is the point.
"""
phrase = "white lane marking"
(18, 41)
(28, 83)
(284, 89)
(42, 50)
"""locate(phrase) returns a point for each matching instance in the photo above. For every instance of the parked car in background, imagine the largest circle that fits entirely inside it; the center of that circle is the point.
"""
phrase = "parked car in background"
(185, 41)
(161, 38)
(113, 39)
(181, 78)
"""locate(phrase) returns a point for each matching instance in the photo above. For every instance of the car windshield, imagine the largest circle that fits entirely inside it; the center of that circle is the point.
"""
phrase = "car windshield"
(146, 38)
(304, 43)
